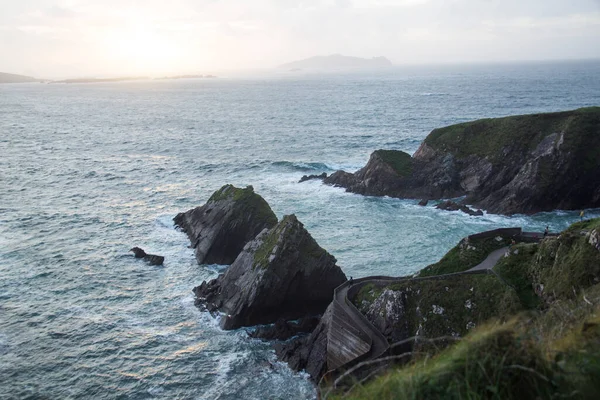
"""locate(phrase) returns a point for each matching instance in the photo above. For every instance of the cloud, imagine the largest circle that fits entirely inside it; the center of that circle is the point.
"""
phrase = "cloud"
(205, 34)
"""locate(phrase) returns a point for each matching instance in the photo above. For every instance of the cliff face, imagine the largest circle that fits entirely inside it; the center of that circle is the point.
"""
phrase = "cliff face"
(556, 348)
(520, 164)
(282, 273)
(219, 229)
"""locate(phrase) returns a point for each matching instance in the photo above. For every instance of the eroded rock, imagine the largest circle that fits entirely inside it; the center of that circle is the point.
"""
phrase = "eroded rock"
(282, 273)
(219, 230)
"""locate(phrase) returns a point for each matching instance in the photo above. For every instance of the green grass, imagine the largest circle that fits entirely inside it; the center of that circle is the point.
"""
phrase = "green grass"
(450, 306)
(400, 161)
(488, 137)
(496, 362)
(247, 203)
(550, 351)
(514, 271)
(465, 255)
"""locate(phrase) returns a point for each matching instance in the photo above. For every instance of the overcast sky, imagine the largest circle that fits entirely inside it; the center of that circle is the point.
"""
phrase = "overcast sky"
(60, 38)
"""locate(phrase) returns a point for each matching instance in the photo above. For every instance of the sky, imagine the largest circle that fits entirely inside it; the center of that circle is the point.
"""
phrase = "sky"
(76, 38)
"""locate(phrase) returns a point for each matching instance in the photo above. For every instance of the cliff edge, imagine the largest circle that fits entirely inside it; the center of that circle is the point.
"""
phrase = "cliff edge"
(518, 164)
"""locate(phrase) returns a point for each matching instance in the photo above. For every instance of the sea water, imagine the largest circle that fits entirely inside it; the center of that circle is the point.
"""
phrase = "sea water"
(89, 171)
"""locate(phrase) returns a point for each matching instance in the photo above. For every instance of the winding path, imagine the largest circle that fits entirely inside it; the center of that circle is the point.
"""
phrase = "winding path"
(352, 338)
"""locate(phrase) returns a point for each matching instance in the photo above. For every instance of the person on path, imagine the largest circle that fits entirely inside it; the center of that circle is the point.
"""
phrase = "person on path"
(581, 215)
(546, 231)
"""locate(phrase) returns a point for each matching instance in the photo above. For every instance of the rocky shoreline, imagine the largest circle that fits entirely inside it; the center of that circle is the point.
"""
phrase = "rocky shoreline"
(280, 278)
(518, 164)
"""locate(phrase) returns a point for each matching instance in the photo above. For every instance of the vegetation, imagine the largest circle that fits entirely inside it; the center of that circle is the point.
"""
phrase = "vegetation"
(247, 202)
(552, 350)
(467, 254)
(276, 240)
(400, 161)
(488, 137)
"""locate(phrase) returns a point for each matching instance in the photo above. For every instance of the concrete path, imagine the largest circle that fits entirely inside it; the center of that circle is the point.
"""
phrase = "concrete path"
(490, 260)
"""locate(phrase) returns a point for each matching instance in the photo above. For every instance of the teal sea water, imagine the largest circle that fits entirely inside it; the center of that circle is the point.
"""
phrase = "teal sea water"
(89, 171)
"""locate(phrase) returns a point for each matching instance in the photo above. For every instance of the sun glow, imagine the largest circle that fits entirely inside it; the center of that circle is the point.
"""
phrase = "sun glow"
(142, 49)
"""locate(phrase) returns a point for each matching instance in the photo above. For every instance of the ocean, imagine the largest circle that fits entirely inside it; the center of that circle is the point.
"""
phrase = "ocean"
(89, 171)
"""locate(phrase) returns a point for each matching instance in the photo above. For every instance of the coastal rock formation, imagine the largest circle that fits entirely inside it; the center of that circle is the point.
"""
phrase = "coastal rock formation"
(450, 205)
(436, 307)
(519, 164)
(220, 229)
(151, 258)
(283, 330)
(282, 273)
(309, 177)
(308, 353)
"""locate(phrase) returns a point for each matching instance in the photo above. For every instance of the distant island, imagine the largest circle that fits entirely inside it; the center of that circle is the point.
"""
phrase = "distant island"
(187, 77)
(99, 80)
(337, 61)
(14, 78)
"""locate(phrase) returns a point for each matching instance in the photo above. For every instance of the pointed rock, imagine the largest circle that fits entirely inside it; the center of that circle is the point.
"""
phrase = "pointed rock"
(283, 273)
(220, 229)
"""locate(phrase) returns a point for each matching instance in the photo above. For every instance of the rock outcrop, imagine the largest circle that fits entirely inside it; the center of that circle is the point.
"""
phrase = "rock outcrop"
(309, 352)
(220, 229)
(151, 258)
(450, 205)
(282, 273)
(283, 330)
(519, 164)
(311, 177)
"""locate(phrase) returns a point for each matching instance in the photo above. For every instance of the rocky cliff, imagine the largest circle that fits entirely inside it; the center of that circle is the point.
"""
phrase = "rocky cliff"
(551, 351)
(518, 164)
(219, 229)
(282, 273)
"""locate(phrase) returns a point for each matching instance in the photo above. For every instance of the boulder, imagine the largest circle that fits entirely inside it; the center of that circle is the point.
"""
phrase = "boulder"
(151, 258)
(309, 177)
(220, 229)
(423, 202)
(282, 273)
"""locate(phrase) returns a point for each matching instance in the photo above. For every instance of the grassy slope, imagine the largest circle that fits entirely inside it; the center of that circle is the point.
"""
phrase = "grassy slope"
(487, 137)
(400, 161)
(465, 255)
(550, 352)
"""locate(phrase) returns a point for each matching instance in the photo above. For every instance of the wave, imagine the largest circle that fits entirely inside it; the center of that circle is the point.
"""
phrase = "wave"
(301, 166)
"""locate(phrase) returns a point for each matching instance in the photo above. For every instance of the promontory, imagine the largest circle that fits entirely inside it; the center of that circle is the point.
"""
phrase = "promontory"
(517, 164)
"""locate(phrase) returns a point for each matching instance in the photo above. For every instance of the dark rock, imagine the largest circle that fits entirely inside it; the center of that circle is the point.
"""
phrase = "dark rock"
(308, 353)
(423, 202)
(283, 330)
(309, 177)
(519, 164)
(151, 258)
(231, 218)
(283, 273)
(449, 205)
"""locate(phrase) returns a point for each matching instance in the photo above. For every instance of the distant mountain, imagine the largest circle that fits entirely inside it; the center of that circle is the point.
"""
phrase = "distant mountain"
(102, 80)
(14, 78)
(337, 61)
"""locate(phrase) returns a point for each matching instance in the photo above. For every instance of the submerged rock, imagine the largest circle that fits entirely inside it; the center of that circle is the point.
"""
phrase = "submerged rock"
(282, 273)
(151, 258)
(231, 218)
(450, 205)
(309, 177)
